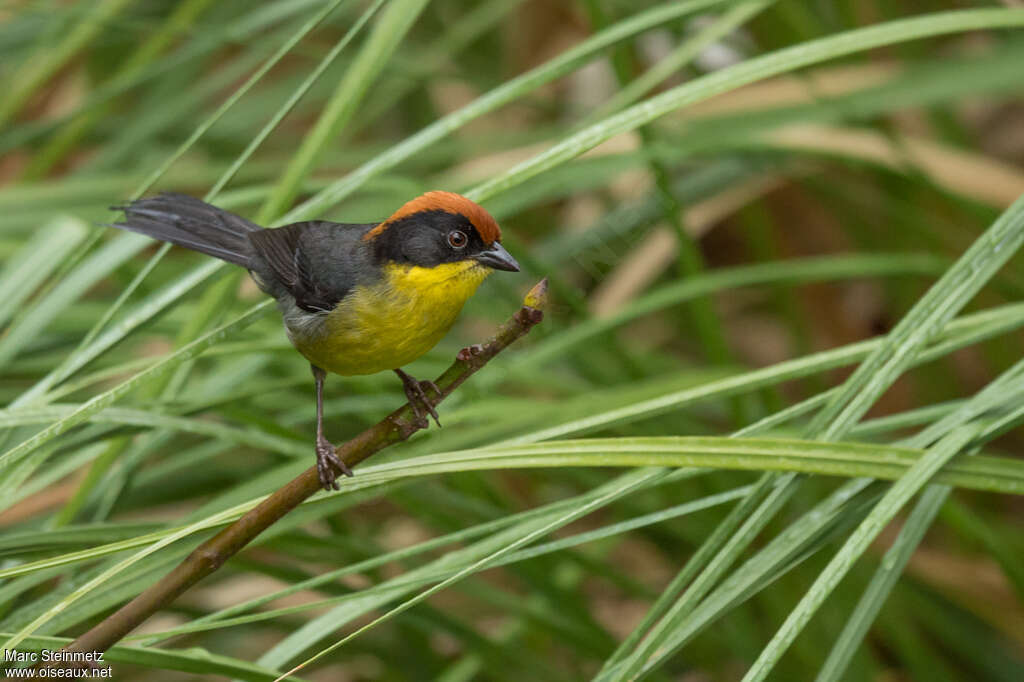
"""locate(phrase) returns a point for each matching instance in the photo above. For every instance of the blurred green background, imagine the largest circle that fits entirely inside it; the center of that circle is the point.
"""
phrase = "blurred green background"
(721, 193)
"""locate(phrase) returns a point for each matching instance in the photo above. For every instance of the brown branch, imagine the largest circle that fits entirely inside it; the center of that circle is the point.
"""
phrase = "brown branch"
(394, 428)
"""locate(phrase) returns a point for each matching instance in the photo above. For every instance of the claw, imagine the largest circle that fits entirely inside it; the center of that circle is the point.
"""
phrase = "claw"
(415, 393)
(328, 463)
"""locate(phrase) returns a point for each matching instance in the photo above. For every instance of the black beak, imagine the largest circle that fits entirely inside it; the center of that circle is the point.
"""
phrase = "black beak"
(498, 258)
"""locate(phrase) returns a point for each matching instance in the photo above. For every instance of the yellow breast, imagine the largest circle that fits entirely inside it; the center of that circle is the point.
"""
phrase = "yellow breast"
(393, 322)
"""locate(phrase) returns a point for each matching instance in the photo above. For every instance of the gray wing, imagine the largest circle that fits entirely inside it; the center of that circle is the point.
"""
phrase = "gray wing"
(316, 262)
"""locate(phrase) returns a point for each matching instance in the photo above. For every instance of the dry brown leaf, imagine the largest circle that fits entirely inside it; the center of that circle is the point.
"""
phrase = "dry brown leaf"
(959, 171)
(659, 248)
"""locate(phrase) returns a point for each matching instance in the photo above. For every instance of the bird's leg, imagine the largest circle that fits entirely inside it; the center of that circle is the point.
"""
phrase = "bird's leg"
(326, 459)
(415, 391)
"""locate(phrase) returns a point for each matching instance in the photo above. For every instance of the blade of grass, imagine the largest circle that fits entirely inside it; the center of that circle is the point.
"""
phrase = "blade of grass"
(108, 397)
(88, 351)
(780, 554)
(916, 477)
(564, 63)
(873, 377)
(752, 70)
(993, 474)
(897, 556)
(757, 379)
(716, 551)
(928, 317)
(601, 497)
(789, 272)
(294, 98)
(677, 59)
(60, 145)
(222, 619)
(252, 437)
(959, 285)
(27, 326)
(912, 531)
(49, 58)
(395, 21)
(35, 261)
(689, 261)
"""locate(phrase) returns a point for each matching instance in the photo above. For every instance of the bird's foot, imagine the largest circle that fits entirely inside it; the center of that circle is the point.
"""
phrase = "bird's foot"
(328, 464)
(416, 393)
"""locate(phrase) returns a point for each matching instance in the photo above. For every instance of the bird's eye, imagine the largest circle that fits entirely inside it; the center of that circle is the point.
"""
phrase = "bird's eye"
(457, 239)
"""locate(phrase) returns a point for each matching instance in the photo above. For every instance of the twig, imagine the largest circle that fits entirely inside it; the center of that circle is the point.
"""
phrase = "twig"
(394, 428)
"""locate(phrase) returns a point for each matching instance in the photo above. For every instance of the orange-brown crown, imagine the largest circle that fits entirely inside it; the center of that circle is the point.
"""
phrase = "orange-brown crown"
(449, 202)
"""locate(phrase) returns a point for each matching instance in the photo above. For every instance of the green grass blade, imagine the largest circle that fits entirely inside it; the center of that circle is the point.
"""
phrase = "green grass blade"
(700, 573)
(387, 35)
(564, 63)
(921, 324)
(534, 531)
(181, 20)
(992, 474)
(107, 398)
(102, 578)
(26, 327)
(750, 71)
(49, 58)
(818, 269)
(781, 552)
(222, 619)
(294, 98)
(914, 528)
(895, 559)
(26, 269)
(958, 286)
(682, 55)
(959, 333)
(895, 498)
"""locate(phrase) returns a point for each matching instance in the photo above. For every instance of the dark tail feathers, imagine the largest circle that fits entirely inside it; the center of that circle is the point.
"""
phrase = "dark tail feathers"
(194, 224)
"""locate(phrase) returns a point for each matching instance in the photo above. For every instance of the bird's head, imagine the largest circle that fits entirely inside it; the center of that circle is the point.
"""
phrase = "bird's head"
(441, 229)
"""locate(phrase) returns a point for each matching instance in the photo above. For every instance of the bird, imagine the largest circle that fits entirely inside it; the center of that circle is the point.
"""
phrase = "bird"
(355, 298)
